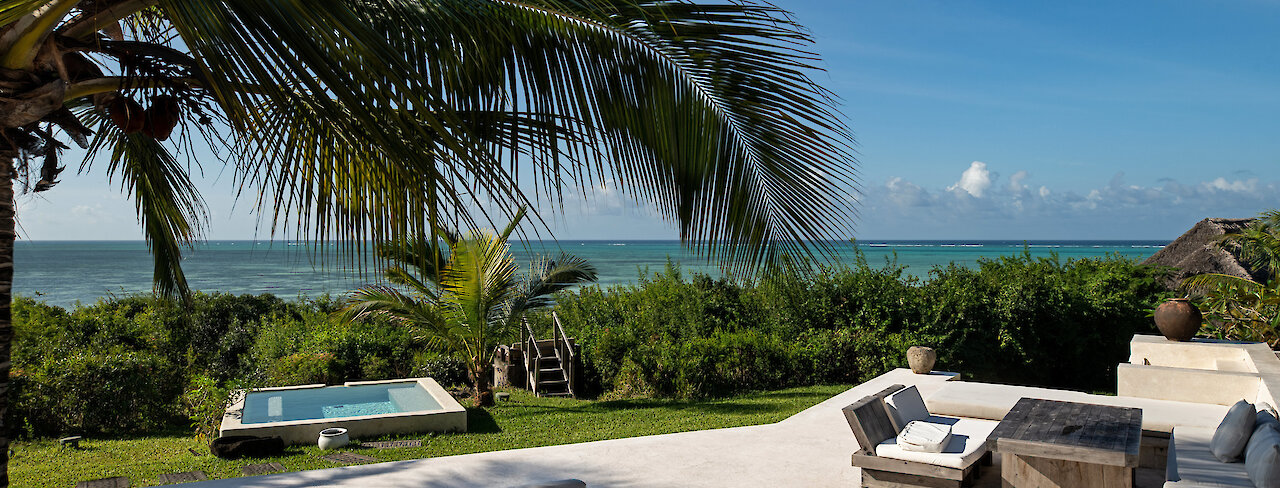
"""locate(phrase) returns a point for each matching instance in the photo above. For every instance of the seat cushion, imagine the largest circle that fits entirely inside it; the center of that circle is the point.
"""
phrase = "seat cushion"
(1233, 432)
(1192, 464)
(1262, 457)
(922, 436)
(904, 406)
(968, 443)
(993, 401)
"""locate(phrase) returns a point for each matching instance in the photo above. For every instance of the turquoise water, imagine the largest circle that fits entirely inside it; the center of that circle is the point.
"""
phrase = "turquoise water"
(358, 409)
(63, 272)
(336, 402)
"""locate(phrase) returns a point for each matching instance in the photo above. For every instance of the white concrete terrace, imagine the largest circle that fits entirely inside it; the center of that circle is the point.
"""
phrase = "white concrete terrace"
(811, 448)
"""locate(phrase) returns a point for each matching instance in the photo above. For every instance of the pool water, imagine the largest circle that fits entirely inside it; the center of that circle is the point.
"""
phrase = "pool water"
(358, 409)
(333, 402)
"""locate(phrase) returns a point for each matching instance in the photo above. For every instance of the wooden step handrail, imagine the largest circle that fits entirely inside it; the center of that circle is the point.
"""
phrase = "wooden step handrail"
(532, 356)
(566, 354)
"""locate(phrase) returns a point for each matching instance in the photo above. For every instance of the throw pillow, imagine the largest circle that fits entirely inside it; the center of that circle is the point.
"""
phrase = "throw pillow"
(1233, 432)
(1262, 458)
(905, 406)
(1266, 419)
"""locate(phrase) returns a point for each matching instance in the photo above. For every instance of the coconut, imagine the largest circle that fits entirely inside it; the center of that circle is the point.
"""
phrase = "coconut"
(161, 117)
(126, 113)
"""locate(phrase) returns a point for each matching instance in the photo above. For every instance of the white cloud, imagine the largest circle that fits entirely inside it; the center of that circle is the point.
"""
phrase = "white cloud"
(1015, 181)
(1241, 186)
(975, 180)
(907, 194)
(986, 207)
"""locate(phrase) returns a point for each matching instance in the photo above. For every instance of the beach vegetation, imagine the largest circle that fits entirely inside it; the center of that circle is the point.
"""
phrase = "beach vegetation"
(1017, 319)
(1244, 309)
(1020, 319)
(464, 294)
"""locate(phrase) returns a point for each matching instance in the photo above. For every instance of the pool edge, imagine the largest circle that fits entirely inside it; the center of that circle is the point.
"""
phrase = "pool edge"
(452, 417)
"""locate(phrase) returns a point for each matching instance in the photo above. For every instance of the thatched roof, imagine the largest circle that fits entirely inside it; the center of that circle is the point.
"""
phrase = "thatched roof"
(1196, 252)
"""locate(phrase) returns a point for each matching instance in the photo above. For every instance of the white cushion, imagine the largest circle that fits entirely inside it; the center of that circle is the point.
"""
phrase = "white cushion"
(968, 443)
(1192, 464)
(992, 401)
(905, 406)
(921, 436)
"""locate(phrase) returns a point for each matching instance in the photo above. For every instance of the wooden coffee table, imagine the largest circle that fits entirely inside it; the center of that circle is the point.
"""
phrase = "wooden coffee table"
(1047, 443)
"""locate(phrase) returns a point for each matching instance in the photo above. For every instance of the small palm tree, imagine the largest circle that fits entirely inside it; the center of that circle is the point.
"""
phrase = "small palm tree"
(1242, 308)
(464, 295)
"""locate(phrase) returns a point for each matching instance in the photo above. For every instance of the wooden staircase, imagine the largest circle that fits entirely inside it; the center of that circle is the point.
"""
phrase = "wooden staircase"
(550, 363)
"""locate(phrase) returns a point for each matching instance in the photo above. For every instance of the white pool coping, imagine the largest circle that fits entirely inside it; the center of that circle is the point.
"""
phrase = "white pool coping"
(450, 417)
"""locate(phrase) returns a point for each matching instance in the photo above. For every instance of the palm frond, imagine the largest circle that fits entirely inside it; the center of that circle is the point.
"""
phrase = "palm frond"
(13, 10)
(422, 315)
(706, 111)
(1202, 284)
(550, 275)
(168, 204)
(479, 279)
(402, 277)
(426, 260)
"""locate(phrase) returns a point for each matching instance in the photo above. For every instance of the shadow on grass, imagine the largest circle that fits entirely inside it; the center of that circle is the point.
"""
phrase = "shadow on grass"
(480, 421)
(757, 404)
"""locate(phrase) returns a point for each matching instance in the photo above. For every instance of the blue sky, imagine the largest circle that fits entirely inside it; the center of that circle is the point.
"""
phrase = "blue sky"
(995, 120)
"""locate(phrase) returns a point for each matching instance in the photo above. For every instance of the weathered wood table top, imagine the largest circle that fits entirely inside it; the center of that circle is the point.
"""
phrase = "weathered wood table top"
(1070, 431)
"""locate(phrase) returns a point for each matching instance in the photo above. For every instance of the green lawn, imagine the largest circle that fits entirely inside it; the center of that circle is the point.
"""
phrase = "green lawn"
(524, 421)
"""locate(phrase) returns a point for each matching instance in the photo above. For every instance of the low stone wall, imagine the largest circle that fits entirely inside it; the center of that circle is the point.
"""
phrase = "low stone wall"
(1200, 371)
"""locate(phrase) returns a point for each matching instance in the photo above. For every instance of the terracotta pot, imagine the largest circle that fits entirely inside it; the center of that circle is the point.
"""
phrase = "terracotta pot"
(921, 359)
(1178, 319)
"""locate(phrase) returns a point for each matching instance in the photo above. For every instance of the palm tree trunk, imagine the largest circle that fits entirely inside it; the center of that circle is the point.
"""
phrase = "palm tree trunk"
(483, 381)
(7, 234)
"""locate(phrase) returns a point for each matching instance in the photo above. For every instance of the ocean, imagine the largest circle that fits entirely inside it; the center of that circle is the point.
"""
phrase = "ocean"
(65, 272)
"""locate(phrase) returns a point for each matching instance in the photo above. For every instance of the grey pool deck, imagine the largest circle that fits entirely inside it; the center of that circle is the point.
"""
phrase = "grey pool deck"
(809, 449)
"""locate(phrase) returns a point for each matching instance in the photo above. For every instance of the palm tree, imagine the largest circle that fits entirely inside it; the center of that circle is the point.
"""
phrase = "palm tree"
(369, 121)
(467, 297)
(1243, 308)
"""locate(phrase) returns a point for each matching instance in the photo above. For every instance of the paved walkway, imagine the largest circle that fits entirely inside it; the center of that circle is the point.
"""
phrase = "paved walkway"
(808, 449)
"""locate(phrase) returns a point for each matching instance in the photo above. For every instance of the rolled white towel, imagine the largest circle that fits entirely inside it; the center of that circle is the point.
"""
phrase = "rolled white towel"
(923, 436)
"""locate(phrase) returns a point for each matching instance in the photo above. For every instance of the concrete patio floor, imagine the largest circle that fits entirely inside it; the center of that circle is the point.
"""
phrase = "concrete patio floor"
(809, 449)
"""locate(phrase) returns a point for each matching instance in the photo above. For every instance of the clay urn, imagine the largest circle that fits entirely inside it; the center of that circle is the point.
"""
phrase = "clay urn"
(1178, 319)
(921, 359)
(333, 438)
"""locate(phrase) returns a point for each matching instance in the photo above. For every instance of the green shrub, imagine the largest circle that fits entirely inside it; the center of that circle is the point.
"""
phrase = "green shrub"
(214, 343)
(445, 369)
(204, 402)
(1015, 319)
(305, 368)
(97, 393)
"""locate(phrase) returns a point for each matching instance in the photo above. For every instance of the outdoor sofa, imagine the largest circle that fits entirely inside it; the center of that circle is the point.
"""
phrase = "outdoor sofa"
(1248, 438)
(1159, 417)
(876, 421)
(1192, 465)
